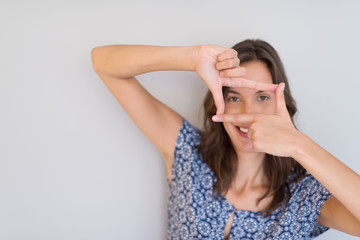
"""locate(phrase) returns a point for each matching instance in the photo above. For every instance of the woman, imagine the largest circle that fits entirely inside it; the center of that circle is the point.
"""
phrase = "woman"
(244, 176)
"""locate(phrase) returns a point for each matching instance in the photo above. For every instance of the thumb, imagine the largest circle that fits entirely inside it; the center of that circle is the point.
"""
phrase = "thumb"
(280, 100)
(219, 100)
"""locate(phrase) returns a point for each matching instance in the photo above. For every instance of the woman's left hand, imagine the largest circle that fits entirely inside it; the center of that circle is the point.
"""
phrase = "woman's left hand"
(274, 134)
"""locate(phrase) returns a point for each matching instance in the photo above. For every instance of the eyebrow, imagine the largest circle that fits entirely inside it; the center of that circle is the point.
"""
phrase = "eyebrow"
(235, 92)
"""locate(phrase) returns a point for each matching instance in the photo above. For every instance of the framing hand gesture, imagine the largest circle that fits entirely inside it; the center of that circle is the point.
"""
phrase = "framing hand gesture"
(219, 67)
(274, 134)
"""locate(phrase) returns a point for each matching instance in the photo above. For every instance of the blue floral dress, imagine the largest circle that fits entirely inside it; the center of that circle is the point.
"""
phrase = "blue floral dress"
(194, 212)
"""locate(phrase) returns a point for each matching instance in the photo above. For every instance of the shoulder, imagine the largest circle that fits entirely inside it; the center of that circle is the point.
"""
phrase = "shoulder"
(308, 196)
(188, 134)
(187, 141)
(186, 150)
(188, 166)
(307, 186)
(309, 193)
(300, 214)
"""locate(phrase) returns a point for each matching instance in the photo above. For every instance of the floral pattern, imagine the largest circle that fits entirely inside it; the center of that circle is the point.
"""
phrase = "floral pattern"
(195, 213)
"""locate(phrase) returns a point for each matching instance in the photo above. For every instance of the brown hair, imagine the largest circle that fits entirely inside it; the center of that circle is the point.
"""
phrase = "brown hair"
(216, 147)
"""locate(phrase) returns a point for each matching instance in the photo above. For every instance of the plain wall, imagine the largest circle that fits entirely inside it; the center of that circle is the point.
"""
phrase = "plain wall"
(74, 166)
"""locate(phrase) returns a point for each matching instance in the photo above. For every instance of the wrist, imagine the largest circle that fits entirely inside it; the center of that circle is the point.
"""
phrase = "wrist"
(194, 56)
(183, 58)
(173, 58)
(198, 55)
(300, 147)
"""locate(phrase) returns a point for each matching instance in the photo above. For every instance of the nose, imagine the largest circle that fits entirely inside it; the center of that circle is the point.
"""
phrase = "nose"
(248, 108)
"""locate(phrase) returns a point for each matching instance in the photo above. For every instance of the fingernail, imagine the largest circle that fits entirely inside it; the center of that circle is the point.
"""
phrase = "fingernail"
(215, 118)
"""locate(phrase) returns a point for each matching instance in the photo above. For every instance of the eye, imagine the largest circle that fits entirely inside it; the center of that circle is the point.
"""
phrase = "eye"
(233, 99)
(263, 98)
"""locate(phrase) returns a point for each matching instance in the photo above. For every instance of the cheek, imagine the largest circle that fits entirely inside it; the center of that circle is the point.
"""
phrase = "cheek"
(229, 108)
(227, 127)
(269, 108)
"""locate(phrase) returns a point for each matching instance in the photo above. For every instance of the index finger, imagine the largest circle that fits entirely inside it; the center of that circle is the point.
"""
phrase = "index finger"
(245, 83)
(238, 118)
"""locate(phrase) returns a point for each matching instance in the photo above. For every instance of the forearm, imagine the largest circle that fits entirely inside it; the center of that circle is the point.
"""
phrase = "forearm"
(125, 61)
(339, 179)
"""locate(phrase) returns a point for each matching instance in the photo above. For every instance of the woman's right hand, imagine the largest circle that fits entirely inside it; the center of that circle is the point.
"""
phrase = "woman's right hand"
(219, 67)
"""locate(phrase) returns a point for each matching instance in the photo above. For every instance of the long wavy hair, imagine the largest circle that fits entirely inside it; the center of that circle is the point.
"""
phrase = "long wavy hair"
(216, 147)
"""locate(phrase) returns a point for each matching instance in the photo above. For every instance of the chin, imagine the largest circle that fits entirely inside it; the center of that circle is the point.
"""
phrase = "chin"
(243, 145)
(248, 147)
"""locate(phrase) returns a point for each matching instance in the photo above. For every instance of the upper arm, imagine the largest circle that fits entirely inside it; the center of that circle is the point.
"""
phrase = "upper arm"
(334, 215)
(157, 121)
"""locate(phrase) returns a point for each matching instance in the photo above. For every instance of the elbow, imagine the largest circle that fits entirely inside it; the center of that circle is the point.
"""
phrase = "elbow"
(97, 57)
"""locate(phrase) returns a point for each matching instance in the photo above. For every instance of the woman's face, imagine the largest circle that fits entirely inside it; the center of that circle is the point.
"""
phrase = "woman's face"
(246, 101)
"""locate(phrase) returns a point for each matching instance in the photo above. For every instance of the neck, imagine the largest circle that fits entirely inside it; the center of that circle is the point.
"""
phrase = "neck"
(250, 171)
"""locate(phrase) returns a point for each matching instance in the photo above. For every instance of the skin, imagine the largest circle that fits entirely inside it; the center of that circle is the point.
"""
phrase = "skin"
(269, 132)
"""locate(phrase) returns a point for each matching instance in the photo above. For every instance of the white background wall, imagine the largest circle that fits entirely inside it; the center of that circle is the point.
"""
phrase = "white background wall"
(74, 166)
